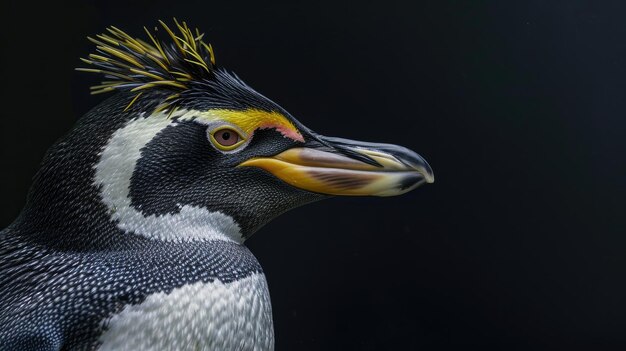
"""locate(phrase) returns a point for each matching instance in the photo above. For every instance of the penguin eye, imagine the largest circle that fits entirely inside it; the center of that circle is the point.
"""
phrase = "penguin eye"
(226, 138)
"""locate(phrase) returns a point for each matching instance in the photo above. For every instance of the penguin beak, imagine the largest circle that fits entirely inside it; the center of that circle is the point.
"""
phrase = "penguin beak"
(335, 166)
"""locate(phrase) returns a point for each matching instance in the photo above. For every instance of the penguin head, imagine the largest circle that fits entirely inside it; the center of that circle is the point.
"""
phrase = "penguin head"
(195, 153)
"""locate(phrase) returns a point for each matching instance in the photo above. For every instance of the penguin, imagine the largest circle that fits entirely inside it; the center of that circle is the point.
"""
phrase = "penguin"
(132, 236)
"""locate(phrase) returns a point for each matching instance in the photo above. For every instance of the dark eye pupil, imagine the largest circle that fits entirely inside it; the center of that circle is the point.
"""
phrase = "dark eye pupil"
(226, 135)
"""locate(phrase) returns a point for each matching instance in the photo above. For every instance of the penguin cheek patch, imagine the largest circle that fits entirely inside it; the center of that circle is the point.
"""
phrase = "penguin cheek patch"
(227, 138)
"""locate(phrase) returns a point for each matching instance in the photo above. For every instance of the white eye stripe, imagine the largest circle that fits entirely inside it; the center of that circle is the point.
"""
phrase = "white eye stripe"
(113, 173)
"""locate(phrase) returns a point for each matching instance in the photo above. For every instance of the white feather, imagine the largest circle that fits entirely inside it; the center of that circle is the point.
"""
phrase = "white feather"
(214, 316)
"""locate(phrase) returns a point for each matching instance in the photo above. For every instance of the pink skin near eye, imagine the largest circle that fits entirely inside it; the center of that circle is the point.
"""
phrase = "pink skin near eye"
(286, 132)
(226, 137)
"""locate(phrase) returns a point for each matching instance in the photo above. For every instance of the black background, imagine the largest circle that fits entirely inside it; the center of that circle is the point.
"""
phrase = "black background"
(520, 109)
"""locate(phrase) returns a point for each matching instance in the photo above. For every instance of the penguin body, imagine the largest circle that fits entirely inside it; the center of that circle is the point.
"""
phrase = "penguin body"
(132, 237)
(149, 296)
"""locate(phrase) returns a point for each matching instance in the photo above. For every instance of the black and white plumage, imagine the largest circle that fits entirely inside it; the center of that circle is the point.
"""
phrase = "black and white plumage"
(132, 235)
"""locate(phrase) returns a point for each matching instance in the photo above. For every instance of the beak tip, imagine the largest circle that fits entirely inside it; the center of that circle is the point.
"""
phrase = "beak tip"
(421, 166)
(428, 173)
(430, 178)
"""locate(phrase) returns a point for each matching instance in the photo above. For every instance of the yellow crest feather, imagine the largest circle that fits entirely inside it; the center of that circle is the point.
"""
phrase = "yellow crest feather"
(135, 65)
